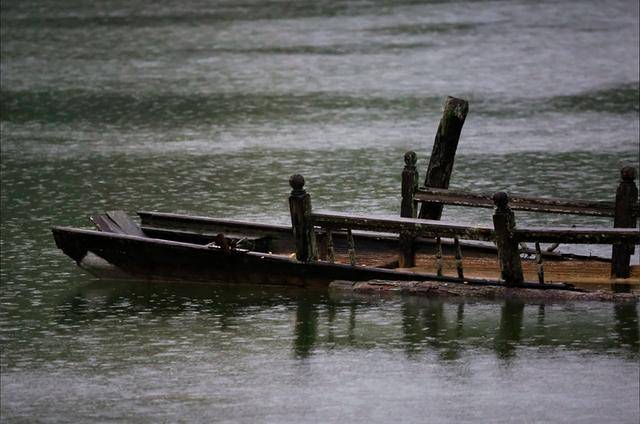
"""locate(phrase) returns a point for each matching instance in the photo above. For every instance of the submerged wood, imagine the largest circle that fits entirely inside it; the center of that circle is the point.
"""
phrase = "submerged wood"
(433, 289)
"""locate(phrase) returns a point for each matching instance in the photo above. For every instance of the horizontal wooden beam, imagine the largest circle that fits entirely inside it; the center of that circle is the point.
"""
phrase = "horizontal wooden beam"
(516, 202)
(339, 221)
(578, 235)
(418, 227)
(207, 226)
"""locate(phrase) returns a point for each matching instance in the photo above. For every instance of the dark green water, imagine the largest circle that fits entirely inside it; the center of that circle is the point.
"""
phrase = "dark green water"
(207, 108)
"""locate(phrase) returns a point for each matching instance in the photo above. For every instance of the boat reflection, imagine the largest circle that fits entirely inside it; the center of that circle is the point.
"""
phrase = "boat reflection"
(321, 321)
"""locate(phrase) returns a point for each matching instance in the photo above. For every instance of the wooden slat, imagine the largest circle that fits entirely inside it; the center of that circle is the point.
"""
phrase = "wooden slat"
(419, 227)
(106, 224)
(207, 225)
(125, 222)
(516, 202)
(578, 235)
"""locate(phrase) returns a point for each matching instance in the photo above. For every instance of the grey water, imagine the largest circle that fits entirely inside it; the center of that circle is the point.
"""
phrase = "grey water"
(207, 108)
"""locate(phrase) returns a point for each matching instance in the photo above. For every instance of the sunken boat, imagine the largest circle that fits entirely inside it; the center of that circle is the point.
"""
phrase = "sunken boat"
(323, 246)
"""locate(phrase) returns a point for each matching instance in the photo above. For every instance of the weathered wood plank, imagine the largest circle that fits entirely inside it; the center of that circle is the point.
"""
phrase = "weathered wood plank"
(578, 235)
(125, 222)
(104, 223)
(516, 202)
(420, 227)
(432, 289)
(211, 226)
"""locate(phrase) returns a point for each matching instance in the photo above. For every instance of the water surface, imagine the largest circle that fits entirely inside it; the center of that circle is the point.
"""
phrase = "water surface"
(207, 108)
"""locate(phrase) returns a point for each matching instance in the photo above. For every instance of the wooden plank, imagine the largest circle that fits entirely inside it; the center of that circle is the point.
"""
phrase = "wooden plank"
(516, 202)
(419, 227)
(106, 224)
(125, 222)
(578, 235)
(211, 226)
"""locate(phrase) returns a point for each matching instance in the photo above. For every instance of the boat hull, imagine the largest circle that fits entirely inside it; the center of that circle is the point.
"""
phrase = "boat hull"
(120, 256)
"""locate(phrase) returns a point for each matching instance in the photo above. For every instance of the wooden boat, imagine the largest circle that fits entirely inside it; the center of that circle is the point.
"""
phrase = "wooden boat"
(320, 247)
(173, 247)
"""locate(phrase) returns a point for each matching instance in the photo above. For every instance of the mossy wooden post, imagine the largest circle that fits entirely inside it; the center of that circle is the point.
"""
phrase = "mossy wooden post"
(300, 208)
(407, 257)
(444, 152)
(625, 217)
(504, 224)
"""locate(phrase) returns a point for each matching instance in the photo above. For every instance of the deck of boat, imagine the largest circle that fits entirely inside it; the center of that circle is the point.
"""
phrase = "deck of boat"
(585, 273)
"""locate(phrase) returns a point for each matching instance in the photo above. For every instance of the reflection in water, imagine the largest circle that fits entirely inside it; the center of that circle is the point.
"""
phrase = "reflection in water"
(317, 320)
(511, 315)
(627, 325)
(306, 327)
(426, 324)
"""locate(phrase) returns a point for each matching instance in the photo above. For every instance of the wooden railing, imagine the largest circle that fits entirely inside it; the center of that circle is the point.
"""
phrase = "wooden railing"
(624, 210)
(418, 227)
(504, 233)
(412, 195)
(517, 202)
(508, 236)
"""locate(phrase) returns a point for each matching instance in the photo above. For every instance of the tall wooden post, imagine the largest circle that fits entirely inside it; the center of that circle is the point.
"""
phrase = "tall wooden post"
(407, 257)
(300, 208)
(444, 152)
(504, 223)
(624, 217)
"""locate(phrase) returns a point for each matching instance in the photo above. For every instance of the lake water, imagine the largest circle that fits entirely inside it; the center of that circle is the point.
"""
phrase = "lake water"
(207, 108)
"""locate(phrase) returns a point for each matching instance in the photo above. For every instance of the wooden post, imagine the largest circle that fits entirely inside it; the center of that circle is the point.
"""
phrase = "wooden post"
(444, 152)
(438, 256)
(459, 267)
(351, 247)
(504, 223)
(409, 185)
(328, 240)
(300, 208)
(539, 264)
(407, 257)
(625, 217)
